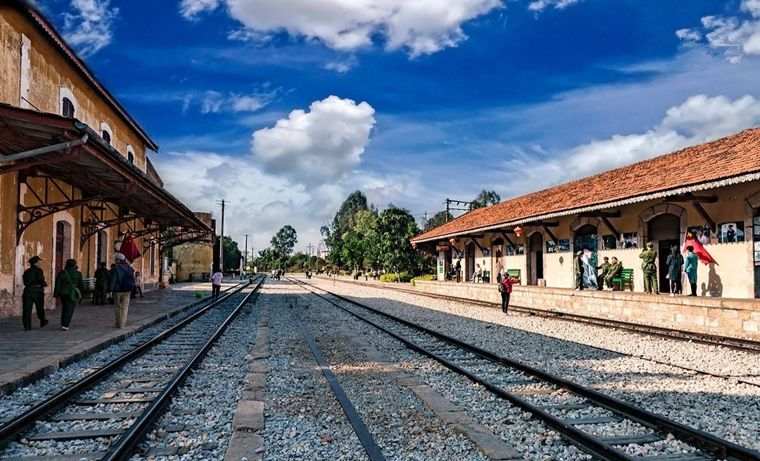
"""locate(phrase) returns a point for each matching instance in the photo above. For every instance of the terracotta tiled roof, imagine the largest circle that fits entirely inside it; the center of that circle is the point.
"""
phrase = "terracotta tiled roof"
(735, 155)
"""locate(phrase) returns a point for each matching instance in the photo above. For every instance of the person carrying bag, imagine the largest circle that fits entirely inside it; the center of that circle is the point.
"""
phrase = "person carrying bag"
(68, 288)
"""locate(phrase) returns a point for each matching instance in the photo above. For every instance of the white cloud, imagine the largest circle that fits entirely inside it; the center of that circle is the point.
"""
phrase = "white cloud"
(698, 119)
(88, 28)
(540, 5)
(341, 66)
(736, 36)
(192, 8)
(420, 26)
(212, 102)
(319, 145)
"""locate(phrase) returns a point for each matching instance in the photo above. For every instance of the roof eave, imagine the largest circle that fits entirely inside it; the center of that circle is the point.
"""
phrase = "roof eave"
(746, 177)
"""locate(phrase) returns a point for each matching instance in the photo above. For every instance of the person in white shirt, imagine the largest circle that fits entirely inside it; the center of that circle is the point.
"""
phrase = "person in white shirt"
(216, 283)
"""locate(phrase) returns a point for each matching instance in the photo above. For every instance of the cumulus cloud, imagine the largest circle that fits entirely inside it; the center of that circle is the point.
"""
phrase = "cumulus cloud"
(88, 27)
(698, 119)
(260, 203)
(736, 36)
(319, 145)
(540, 5)
(420, 26)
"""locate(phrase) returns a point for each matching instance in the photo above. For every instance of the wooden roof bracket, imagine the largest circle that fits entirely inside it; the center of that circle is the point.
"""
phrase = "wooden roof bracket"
(550, 234)
(703, 213)
(477, 244)
(609, 225)
(509, 240)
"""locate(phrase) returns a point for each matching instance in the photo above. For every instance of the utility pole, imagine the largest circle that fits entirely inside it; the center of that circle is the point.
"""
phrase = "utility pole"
(221, 239)
(245, 261)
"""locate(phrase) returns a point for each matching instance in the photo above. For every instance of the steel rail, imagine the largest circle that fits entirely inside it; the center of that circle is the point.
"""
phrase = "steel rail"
(671, 333)
(127, 442)
(11, 429)
(703, 440)
(360, 429)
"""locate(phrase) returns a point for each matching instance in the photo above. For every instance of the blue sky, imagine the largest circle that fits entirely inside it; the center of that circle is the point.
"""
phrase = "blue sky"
(411, 101)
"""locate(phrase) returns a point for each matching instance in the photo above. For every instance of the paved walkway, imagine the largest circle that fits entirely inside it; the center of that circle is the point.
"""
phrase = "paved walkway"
(28, 355)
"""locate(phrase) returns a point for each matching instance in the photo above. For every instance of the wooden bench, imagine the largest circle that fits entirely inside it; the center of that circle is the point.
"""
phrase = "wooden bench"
(626, 277)
(514, 274)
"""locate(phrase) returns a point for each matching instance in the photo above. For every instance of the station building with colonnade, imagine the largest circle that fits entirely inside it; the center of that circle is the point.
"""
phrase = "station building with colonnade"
(75, 174)
(711, 190)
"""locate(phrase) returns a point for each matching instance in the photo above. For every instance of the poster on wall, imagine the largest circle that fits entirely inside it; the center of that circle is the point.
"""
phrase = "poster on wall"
(731, 232)
(564, 245)
(520, 250)
(702, 233)
(486, 252)
(609, 242)
(551, 247)
(630, 240)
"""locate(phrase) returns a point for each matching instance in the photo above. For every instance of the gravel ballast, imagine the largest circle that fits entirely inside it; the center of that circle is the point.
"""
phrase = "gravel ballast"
(612, 361)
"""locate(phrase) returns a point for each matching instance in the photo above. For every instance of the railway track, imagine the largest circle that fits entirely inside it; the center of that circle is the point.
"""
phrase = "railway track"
(109, 411)
(704, 338)
(603, 426)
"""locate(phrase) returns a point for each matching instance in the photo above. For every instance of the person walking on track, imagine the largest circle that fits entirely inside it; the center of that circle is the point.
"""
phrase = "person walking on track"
(121, 285)
(216, 283)
(102, 277)
(34, 293)
(68, 288)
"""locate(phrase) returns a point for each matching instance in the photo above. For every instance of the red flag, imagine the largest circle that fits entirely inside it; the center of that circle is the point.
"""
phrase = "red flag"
(699, 250)
(129, 248)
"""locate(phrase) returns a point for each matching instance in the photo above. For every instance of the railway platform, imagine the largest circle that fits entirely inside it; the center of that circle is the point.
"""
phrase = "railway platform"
(29, 355)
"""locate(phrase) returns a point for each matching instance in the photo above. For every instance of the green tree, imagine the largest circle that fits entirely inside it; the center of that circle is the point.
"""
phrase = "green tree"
(344, 220)
(284, 240)
(396, 227)
(232, 254)
(438, 219)
(486, 198)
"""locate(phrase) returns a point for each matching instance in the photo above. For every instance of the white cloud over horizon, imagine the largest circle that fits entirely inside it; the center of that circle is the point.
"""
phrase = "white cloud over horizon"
(736, 36)
(88, 27)
(319, 145)
(419, 26)
(540, 5)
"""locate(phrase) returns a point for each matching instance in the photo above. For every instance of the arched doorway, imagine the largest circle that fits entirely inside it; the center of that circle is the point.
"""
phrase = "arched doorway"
(536, 258)
(587, 241)
(469, 261)
(665, 231)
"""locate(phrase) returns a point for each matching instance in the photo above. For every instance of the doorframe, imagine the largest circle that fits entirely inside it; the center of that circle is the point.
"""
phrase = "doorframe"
(532, 274)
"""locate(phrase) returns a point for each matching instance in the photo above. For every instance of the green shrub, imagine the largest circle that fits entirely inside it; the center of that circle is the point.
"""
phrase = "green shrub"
(199, 294)
(404, 277)
(426, 277)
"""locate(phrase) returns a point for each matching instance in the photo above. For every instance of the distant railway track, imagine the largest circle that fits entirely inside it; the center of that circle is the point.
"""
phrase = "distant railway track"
(548, 397)
(144, 379)
(672, 333)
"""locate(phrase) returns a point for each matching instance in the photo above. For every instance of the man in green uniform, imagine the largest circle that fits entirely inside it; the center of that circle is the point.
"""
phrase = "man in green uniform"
(34, 293)
(68, 287)
(604, 267)
(578, 263)
(615, 270)
(102, 278)
(649, 269)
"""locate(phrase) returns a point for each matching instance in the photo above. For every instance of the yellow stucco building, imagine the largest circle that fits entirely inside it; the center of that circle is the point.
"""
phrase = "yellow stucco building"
(75, 176)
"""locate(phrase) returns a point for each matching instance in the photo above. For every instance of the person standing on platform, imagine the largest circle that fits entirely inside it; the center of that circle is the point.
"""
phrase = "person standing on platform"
(505, 289)
(102, 277)
(649, 269)
(458, 268)
(604, 267)
(68, 288)
(121, 285)
(675, 271)
(578, 266)
(34, 293)
(138, 285)
(216, 283)
(690, 267)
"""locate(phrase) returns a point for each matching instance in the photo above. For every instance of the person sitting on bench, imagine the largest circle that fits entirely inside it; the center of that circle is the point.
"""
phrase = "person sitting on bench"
(615, 270)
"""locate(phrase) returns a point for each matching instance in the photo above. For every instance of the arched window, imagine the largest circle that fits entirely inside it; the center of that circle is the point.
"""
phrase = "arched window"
(67, 108)
(106, 132)
(130, 154)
